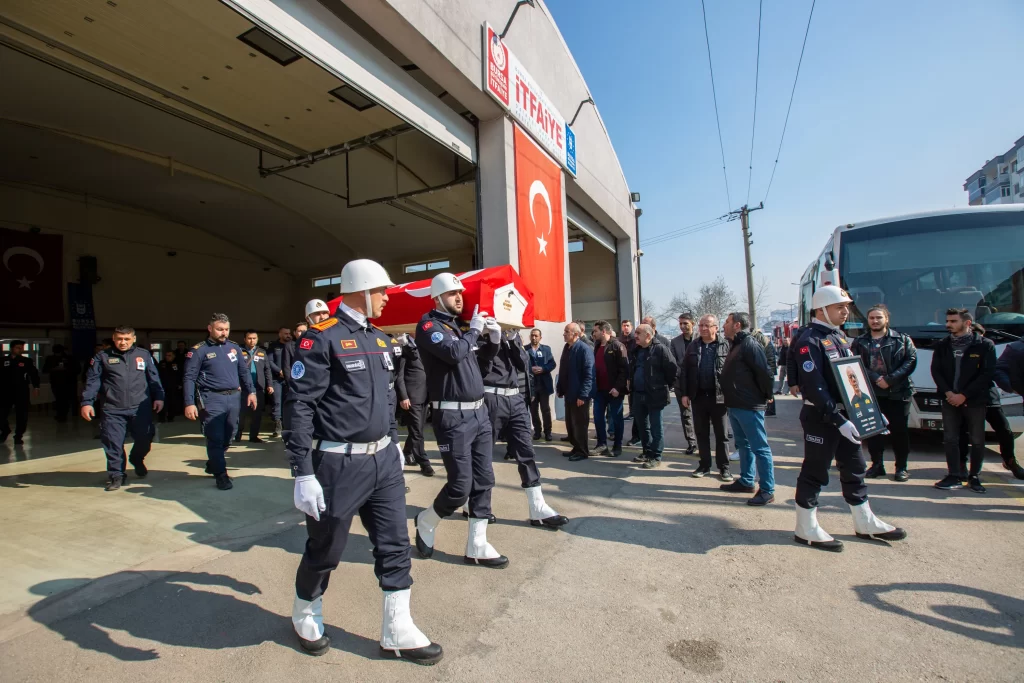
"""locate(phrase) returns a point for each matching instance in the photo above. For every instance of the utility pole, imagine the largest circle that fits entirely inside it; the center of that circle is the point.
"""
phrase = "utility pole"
(744, 214)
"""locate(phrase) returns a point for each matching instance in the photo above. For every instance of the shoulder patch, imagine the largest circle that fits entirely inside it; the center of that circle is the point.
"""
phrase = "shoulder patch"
(324, 324)
(427, 325)
(199, 345)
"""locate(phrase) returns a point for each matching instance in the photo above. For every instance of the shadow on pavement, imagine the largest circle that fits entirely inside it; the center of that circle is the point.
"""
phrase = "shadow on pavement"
(171, 610)
(1001, 624)
(688, 534)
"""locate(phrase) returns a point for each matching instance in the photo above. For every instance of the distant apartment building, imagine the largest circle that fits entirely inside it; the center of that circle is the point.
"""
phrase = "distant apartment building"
(1000, 180)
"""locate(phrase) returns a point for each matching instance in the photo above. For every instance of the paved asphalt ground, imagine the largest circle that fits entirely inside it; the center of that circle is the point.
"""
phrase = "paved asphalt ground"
(658, 577)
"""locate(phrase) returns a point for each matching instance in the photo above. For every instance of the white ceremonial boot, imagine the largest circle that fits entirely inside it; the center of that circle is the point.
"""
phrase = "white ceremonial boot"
(478, 550)
(399, 637)
(809, 533)
(866, 525)
(426, 525)
(542, 514)
(308, 621)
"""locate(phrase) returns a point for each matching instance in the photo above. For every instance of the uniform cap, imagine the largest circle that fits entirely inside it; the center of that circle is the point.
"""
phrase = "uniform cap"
(444, 283)
(362, 275)
(828, 295)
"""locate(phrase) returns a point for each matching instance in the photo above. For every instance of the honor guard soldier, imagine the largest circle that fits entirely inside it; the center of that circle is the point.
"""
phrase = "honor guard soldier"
(345, 462)
(828, 434)
(287, 356)
(461, 424)
(215, 372)
(262, 383)
(17, 374)
(128, 379)
(501, 370)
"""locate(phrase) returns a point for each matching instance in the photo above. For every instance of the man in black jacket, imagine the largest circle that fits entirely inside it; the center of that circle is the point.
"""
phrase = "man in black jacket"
(411, 390)
(783, 357)
(1010, 368)
(275, 359)
(262, 381)
(678, 346)
(963, 367)
(699, 378)
(652, 370)
(62, 369)
(611, 368)
(890, 358)
(747, 386)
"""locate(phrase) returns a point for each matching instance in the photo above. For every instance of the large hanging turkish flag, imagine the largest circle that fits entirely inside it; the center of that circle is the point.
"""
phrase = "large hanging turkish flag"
(541, 227)
(31, 277)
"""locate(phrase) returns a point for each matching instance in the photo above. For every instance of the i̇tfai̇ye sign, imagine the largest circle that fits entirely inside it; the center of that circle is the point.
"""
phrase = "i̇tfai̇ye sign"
(515, 90)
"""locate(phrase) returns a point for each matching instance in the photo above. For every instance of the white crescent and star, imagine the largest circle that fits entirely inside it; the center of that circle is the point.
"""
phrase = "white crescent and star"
(23, 282)
(537, 188)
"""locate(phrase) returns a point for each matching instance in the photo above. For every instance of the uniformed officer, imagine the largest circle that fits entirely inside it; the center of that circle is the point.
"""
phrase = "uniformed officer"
(510, 417)
(280, 380)
(461, 424)
(215, 371)
(287, 355)
(171, 370)
(262, 382)
(17, 374)
(345, 462)
(828, 434)
(128, 379)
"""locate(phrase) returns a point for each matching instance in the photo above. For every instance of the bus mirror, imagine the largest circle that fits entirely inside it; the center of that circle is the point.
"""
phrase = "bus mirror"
(830, 264)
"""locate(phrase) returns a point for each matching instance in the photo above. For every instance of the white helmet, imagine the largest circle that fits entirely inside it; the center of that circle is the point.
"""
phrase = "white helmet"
(444, 283)
(362, 275)
(828, 295)
(316, 306)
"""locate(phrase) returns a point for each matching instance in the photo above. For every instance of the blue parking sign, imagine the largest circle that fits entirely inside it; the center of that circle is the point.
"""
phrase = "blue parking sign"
(570, 149)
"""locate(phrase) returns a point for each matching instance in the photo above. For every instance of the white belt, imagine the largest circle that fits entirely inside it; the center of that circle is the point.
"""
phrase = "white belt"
(353, 448)
(455, 405)
(500, 391)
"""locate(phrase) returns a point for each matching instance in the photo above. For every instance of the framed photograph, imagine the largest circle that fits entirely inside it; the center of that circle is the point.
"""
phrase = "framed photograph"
(858, 396)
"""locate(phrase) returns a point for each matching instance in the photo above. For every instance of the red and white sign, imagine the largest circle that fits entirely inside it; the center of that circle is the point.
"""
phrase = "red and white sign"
(499, 291)
(512, 86)
(540, 226)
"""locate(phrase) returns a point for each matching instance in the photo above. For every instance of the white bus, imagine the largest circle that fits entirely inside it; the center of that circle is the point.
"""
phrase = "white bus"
(920, 265)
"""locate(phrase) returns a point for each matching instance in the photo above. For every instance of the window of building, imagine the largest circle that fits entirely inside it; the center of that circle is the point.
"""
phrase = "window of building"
(423, 267)
(1004, 191)
(327, 281)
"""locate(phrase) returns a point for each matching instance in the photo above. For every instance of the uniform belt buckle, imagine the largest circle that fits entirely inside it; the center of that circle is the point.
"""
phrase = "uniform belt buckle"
(371, 448)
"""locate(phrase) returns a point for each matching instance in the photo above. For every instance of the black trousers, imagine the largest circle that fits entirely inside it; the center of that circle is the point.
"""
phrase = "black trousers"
(710, 415)
(822, 444)
(996, 418)
(465, 440)
(897, 412)
(280, 387)
(971, 419)
(63, 397)
(373, 487)
(255, 414)
(577, 423)
(541, 406)
(20, 405)
(114, 428)
(510, 418)
(686, 415)
(416, 419)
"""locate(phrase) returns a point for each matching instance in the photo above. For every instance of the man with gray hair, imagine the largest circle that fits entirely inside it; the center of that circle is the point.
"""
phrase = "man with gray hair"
(576, 383)
(652, 372)
(702, 392)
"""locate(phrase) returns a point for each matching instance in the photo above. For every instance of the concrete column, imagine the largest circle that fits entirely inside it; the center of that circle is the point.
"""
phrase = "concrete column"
(499, 243)
(625, 261)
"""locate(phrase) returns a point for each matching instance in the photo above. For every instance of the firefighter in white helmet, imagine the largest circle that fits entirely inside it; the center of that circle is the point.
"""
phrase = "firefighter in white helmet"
(345, 462)
(316, 311)
(462, 426)
(828, 433)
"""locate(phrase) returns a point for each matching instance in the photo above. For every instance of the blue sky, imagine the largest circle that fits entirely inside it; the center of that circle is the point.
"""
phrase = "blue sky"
(897, 103)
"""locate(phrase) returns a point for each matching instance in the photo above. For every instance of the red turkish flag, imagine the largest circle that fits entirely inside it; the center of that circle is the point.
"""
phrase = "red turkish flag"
(31, 277)
(541, 227)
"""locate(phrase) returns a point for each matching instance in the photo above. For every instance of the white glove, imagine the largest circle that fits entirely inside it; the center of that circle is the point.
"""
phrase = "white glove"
(309, 496)
(493, 330)
(849, 430)
(478, 321)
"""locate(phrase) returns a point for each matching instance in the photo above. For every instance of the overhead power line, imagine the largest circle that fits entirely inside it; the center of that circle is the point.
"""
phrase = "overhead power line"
(688, 230)
(714, 94)
(757, 75)
(791, 95)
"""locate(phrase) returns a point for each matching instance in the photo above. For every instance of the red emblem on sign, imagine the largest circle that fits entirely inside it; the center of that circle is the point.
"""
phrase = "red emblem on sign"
(306, 344)
(427, 325)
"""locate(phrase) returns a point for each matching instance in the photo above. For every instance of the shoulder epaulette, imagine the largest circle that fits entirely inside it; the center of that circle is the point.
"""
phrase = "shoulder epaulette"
(324, 324)
(199, 345)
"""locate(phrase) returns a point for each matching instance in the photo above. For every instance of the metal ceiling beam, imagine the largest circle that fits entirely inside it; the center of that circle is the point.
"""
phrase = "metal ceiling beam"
(335, 150)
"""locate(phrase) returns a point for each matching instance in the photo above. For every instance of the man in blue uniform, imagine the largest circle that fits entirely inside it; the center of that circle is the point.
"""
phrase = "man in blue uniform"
(341, 422)
(501, 370)
(275, 360)
(262, 383)
(828, 434)
(132, 392)
(215, 371)
(461, 423)
(17, 373)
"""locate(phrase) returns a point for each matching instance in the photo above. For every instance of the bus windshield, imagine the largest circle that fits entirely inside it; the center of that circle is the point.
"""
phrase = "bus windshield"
(919, 268)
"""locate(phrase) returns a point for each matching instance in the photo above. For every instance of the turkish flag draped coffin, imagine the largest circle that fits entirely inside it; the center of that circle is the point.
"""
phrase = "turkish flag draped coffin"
(499, 291)
(541, 227)
(31, 278)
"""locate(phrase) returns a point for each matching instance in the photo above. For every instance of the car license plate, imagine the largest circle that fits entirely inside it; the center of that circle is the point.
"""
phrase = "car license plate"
(932, 424)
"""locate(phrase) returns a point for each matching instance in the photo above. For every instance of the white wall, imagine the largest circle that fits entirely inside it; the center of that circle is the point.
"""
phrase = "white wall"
(592, 276)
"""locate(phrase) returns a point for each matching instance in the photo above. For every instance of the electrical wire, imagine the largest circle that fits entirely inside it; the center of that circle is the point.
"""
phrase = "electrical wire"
(757, 76)
(721, 146)
(682, 229)
(791, 95)
(690, 230)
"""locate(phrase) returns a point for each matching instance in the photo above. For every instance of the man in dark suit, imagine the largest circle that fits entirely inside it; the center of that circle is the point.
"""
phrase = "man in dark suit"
(577, 384)
(262, 382)
(542, 364)
(411, 388)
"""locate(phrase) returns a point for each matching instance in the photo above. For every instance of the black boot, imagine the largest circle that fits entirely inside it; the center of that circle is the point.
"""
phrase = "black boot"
(876, 470)
(1014, 467)
(277, 429)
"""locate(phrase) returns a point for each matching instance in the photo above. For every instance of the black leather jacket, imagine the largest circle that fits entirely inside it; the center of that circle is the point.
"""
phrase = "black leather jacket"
(900, 357)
